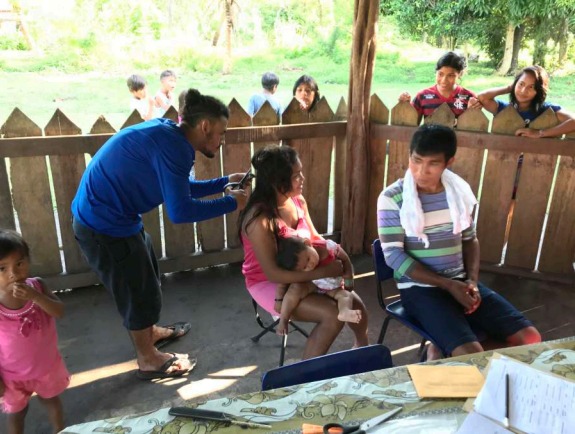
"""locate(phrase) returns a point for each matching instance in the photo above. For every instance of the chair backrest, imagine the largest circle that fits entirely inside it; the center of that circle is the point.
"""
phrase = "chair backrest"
(383, 271)
(349, 362)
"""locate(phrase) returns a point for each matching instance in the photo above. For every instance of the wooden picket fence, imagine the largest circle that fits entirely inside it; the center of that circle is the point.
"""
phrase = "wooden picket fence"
(40, 170)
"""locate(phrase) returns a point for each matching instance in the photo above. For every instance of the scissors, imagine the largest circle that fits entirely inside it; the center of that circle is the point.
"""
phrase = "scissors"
(363, 428)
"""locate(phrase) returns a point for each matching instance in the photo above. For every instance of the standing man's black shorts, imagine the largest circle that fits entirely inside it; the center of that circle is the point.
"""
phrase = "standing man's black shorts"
(128, 268)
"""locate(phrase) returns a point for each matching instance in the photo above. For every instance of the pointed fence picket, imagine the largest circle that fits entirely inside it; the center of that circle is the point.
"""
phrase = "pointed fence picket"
(40, 170)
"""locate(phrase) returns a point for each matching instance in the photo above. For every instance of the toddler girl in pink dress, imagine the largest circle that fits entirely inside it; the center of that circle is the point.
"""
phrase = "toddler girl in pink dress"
(29, 358)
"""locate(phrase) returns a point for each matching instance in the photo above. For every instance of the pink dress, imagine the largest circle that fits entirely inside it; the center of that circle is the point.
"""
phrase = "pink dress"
(258, 285)
(28, 350)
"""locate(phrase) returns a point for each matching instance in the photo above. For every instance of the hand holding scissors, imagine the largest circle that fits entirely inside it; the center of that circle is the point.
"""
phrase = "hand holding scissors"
(363, 428)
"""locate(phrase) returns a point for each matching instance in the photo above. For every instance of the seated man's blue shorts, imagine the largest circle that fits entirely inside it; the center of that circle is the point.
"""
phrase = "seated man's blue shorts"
(444, 318)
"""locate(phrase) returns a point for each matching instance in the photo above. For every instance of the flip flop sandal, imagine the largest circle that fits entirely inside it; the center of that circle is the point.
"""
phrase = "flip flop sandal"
(179, 329)
(163, 371)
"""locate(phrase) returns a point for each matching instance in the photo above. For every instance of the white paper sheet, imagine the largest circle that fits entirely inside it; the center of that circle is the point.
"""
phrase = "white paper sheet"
(538, 402)
(475, 423)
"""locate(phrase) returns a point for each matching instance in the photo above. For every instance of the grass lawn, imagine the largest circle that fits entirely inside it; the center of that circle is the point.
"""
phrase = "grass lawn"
(85, 96)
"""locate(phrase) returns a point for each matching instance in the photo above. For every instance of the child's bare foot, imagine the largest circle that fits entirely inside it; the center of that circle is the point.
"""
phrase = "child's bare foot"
(282, 327)
(349, 315)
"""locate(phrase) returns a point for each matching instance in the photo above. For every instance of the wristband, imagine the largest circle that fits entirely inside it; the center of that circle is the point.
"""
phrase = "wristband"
(348, 282)
(278, 299)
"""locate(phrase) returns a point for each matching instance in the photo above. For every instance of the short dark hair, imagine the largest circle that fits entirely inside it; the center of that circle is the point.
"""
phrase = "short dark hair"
(198, 107)
(167, 73)
(452, 60)
(136, 82)
(309, 80)
(434, 139)
(269, 80)
(12, 241)
(288, 251)
(541, 86)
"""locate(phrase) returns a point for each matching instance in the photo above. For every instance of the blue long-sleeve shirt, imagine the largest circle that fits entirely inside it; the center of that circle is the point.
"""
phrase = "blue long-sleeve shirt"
(139, 168)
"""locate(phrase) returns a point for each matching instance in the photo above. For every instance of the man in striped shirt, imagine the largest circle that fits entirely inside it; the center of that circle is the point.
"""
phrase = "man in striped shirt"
(439, 282)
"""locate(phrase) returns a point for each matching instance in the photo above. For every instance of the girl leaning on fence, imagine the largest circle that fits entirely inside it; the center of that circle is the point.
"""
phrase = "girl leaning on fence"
(528, 94)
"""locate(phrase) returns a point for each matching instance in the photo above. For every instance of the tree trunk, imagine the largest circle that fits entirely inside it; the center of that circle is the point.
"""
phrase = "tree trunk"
(517, 38)
(540, 39)
(216, 37)
(357, 136)
(229, 28)
(563, 41)
(507, 54)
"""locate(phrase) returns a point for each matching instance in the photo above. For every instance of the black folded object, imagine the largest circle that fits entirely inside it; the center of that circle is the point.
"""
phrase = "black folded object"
(196, 413)
(217, 416)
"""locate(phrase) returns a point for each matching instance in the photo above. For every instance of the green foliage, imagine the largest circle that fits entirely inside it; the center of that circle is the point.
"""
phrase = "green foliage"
(449, 23)
(13, 42)
(195, 62)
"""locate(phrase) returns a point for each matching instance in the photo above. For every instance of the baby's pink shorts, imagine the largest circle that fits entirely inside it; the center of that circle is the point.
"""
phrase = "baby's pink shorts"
(18, 392)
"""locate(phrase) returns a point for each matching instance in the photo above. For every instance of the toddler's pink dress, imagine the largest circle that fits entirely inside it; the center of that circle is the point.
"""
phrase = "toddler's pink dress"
(29, 357)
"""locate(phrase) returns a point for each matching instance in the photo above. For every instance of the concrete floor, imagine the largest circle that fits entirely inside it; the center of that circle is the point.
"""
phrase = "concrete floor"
(100, 356)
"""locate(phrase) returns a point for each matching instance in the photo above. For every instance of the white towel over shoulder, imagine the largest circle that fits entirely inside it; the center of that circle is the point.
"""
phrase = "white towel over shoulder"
(460, 200)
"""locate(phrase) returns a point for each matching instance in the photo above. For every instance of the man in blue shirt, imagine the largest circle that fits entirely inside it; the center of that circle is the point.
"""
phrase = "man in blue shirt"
(136, 170)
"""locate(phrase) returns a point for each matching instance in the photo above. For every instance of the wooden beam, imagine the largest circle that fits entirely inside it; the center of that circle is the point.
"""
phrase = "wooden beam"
(40, 146)
(526, 274)
(286, 132)
(497, 142)
(89, 144)
(182, 263)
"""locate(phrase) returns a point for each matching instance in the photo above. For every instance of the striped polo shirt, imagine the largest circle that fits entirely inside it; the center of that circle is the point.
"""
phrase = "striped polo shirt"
(444, 255)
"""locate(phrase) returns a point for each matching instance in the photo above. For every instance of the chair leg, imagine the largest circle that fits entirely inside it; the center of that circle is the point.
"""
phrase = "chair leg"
(267, 329)
(383, 329)
(283, 349)
(422, 346)
(421, 352)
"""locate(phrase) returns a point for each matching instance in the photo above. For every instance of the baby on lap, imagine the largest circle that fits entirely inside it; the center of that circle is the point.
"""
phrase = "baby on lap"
(301, 254)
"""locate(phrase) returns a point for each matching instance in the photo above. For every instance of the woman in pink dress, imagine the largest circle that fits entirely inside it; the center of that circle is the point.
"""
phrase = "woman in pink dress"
(276, 207)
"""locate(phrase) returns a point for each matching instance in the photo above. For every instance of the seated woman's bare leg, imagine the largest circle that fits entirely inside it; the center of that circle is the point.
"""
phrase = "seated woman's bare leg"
(321, 310)
(360, 328)
(295, 293)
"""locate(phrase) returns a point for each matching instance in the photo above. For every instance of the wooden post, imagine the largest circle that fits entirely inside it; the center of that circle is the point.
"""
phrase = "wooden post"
(357, 155)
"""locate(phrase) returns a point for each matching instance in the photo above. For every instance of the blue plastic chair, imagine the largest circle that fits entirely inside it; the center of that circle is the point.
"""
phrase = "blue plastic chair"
(395, 310)
(349, 362)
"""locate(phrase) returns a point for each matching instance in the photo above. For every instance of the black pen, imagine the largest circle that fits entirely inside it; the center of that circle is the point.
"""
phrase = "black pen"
(507, 393)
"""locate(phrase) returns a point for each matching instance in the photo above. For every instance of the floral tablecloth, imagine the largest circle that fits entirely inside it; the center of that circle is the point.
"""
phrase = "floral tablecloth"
(344, 399)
